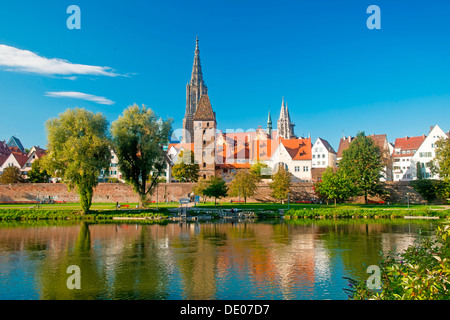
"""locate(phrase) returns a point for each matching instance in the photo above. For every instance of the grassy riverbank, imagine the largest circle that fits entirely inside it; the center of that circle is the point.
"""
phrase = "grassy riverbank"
(107, 211)
(68, 214)
(334, 213)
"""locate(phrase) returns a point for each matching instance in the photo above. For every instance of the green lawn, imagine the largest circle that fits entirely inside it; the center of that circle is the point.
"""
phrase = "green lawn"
(262, 206)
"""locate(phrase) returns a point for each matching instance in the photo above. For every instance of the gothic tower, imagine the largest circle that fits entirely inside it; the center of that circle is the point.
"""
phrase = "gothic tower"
(204, 123)
(195, 89)
(284, 125)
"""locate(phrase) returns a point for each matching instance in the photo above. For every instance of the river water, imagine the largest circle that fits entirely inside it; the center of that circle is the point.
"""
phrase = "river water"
(296, 260)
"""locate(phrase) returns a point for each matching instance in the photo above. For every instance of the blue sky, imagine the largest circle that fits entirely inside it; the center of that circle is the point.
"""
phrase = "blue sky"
(337, 76)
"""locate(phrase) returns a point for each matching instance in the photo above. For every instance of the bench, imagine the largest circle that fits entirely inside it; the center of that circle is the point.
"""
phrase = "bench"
(125, 206)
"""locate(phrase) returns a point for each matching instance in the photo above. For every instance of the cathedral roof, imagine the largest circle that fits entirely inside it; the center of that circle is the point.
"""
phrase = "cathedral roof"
(204, 110)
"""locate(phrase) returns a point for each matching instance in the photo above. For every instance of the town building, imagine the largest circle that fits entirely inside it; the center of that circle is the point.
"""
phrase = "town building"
(323, 154)
(425, 155)
(386, 149)
(404, 150)
(223, 154)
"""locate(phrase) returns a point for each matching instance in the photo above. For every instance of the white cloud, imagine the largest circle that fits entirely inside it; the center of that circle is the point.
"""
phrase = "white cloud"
(79, 95)
(26, 61)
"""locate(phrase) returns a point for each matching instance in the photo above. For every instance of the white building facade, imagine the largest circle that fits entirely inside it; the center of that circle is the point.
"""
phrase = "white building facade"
(323, 155)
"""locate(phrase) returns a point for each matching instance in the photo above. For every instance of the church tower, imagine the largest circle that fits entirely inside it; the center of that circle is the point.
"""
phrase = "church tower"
(205, 125)
(284, 125)
(269, 126)
(195, 89)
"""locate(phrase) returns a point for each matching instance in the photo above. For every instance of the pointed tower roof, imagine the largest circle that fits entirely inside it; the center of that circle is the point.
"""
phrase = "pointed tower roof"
(204, 110)
(15, 142)
(197, 75)
(283, 110)
(269, 119)
(287, 113)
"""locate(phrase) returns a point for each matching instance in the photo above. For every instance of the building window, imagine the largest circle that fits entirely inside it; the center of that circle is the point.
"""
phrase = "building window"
(204, 164)
(323, 155)
(305, 169)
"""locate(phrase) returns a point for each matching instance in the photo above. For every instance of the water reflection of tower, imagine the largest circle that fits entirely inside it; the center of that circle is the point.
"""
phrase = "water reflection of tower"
(296, 264)
(195, 259)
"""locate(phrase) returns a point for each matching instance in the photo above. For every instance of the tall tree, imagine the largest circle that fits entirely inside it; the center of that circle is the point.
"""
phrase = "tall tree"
(185, 169)
(138, 138)
(38, 174)
(334, 185)
(281, 183)
(217, 188)
(78, 148)
(260, 170)
(11, 175)
(441, 163)
(200, 187)
(418, 170)
(441, 166)
(244, 184)
(362, 163)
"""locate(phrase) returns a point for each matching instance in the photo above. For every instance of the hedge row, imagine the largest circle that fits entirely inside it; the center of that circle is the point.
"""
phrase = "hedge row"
(362, 213)
(42, 214)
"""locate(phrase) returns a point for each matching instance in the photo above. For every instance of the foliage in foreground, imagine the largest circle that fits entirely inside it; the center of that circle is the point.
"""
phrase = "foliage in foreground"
(421, 272)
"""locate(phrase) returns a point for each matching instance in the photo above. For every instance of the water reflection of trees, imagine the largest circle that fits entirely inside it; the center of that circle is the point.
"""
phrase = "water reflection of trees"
(53, 273)
(288, 260)
(137, 273)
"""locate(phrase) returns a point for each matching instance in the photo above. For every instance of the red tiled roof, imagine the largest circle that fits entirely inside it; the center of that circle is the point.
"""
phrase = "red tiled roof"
(298, 149)
(378, 139)
(4, 148)
(21, 158)
(408, 143)
(3, 158)
(233, 166)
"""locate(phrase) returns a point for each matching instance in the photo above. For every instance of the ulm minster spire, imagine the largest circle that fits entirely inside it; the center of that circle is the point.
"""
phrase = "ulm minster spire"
(195, 89)
(284, 125)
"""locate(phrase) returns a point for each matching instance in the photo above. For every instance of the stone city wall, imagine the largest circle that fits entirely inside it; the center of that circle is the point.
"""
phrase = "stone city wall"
(119, 192)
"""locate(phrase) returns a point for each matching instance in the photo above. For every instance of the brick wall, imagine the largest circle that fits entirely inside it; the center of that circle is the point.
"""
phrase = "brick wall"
(118, 192)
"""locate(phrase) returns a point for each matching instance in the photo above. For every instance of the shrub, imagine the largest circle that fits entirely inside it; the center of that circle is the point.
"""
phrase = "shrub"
(421, 272)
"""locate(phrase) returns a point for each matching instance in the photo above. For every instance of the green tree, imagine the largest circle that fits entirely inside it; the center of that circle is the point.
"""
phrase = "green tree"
(441, 163)
(11, 175)
(138, 138)
(185, 169)
(281, 183)
(334, 185)
(244, 184)
(362, 163)
(430, 189)
(217, 188)
(200, 187)
(419, 170)
(78, 148)
(38, 174)
(258, 169)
